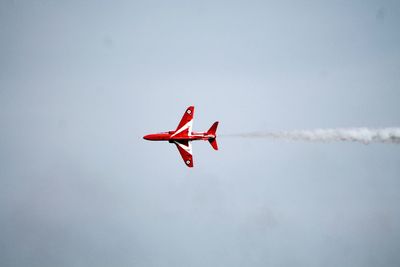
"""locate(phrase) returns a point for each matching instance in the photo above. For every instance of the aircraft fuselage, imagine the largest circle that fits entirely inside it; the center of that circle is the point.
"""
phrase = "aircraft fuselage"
(169, 136)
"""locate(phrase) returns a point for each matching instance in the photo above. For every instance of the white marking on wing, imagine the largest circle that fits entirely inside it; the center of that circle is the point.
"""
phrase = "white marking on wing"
(189, 125)
(187, 148)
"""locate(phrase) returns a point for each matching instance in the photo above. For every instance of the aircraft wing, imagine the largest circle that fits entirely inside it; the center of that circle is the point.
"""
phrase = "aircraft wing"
(185, 125)
(185, 149)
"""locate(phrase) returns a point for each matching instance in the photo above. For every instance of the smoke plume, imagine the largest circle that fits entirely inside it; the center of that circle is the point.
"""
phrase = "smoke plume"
(364, 135)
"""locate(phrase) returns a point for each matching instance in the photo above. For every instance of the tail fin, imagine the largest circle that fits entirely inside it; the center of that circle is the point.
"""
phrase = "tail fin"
(213, 131)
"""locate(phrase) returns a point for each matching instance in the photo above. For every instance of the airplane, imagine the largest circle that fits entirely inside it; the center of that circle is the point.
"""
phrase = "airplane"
(183, 136)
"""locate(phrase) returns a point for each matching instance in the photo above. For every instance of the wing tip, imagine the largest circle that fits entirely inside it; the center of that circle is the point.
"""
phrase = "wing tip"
(190, 110)
(189, 163)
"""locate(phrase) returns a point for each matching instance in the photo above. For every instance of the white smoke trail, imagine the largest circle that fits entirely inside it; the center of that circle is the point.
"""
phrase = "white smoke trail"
(364, 135)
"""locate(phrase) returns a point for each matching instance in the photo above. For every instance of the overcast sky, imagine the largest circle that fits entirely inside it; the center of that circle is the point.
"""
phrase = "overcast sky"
(82, 81)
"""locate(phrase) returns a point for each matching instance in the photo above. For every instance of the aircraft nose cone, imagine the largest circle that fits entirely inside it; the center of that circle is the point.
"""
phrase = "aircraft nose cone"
(146, 137)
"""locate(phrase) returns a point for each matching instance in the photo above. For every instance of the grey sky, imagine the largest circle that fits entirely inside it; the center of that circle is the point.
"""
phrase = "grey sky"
(82, 81)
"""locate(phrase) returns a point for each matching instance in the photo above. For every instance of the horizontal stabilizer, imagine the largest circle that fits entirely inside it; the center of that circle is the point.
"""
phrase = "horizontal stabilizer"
(213, 129)
(213, 143)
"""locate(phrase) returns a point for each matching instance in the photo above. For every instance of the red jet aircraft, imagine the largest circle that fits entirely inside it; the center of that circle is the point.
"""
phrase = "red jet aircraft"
(183, 136)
